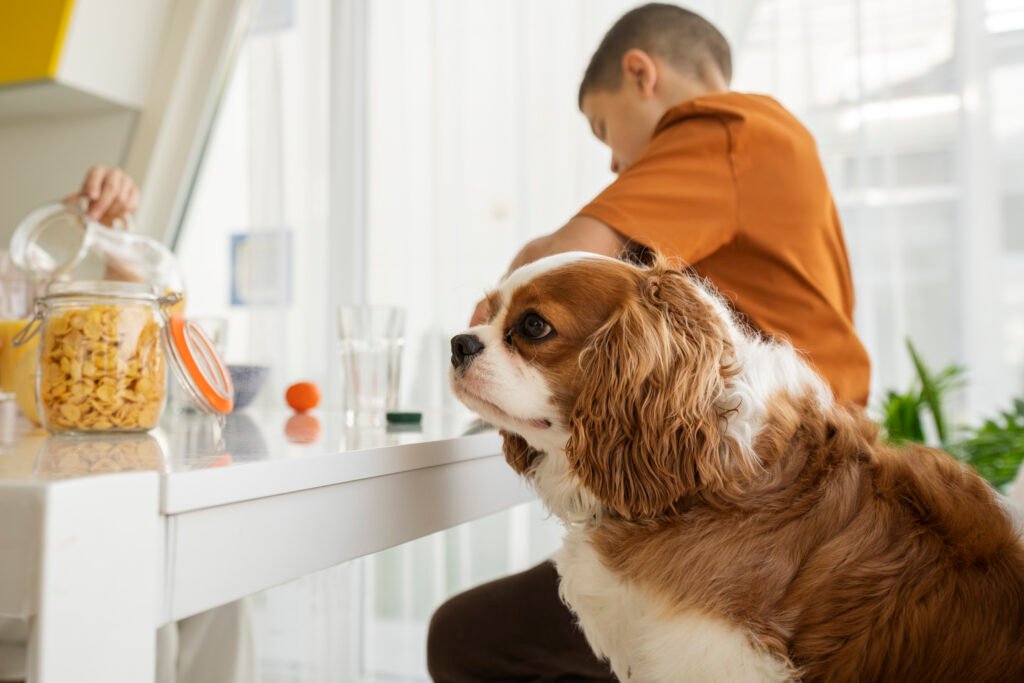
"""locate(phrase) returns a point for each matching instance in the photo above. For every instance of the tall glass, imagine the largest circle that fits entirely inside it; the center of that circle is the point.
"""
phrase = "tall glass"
(15, 311)
(370, 342)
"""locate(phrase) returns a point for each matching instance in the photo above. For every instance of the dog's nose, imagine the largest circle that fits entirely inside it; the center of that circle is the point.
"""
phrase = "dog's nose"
(464, 347)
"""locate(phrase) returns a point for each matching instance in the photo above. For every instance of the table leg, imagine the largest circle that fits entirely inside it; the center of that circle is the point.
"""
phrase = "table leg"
(99, 582)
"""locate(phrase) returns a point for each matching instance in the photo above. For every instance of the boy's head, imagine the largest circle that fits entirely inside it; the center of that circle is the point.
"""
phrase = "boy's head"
(654, 57)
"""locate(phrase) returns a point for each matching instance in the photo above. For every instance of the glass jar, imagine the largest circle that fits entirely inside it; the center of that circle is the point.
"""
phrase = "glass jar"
(104, 350)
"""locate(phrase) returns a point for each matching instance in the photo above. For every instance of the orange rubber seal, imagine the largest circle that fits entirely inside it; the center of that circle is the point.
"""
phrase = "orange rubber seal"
(217, 399)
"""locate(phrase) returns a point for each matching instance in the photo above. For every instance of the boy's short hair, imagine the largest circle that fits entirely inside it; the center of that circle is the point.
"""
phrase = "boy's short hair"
(684, 39)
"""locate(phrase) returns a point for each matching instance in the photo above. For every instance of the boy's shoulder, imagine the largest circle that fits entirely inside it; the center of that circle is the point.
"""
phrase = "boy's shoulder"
(730, 103)
(747, 108)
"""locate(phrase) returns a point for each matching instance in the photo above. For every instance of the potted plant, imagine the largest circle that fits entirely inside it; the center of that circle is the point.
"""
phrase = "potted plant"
(995, 449)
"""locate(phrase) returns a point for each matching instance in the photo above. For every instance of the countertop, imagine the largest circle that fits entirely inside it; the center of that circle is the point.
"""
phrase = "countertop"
(253, 454)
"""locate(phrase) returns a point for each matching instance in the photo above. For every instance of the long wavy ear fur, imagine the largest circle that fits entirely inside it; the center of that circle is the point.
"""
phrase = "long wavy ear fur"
(518, 454)
(647, 427)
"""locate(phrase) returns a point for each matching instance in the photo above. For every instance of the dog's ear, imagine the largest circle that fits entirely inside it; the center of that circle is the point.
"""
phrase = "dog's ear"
(647, 427)
(518, 454)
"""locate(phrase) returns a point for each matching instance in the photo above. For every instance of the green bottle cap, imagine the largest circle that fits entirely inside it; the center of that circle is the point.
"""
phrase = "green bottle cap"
(404, 418)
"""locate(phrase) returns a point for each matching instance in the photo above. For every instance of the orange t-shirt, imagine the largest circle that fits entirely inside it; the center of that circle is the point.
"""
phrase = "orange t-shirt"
(732, 184)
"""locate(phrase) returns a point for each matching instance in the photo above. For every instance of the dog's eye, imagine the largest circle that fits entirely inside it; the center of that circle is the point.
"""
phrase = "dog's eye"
(534, 327)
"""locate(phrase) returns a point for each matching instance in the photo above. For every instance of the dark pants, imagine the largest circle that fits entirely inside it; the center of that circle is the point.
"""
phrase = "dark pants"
(512, 629)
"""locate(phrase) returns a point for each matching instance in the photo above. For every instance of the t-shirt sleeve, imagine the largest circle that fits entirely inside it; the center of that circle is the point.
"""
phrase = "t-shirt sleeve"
(680, 196)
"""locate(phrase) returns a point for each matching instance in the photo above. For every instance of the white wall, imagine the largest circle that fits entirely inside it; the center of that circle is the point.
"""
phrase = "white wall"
(111, 46)
(46, 159)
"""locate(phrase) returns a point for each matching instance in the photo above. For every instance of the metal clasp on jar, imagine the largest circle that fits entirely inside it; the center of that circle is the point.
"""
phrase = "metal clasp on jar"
(30, 330)
(167, 302)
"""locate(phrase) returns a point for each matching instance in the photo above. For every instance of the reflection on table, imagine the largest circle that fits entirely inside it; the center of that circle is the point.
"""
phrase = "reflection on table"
(63, 457)
(189, 441)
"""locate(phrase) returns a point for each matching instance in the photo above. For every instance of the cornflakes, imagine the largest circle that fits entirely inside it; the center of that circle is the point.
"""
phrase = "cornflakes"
(102, 368)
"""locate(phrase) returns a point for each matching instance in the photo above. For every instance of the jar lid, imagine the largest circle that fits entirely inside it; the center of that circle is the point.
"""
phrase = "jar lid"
(198, 366)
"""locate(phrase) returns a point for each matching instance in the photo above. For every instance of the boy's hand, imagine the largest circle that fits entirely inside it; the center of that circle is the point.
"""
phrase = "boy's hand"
(110, 194)
(581, 233)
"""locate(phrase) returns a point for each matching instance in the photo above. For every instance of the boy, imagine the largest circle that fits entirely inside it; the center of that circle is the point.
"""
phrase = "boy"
(729, 183)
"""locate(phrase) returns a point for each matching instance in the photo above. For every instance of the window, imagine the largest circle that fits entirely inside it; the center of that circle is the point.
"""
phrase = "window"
(915, 106)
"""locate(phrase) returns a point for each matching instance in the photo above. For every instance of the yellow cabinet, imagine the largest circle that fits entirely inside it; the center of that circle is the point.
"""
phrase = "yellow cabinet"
(61, 57)
(32, 35)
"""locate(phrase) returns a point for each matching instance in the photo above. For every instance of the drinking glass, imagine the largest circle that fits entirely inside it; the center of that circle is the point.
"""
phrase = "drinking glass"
(15, 312)
(370, 342)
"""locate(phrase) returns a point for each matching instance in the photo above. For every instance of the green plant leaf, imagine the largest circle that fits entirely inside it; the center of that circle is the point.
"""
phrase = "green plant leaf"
(931, 391)
(996, 449)
(902, 417)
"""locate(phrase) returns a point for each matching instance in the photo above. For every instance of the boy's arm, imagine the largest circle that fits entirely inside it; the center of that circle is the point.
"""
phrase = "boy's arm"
(581, 233)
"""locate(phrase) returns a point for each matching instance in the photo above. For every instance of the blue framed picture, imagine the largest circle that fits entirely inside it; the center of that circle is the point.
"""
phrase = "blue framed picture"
(261, 268)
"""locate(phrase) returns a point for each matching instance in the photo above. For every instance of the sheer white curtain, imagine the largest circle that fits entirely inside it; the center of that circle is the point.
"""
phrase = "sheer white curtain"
(915, 106)
(475, 145)
(265, 171)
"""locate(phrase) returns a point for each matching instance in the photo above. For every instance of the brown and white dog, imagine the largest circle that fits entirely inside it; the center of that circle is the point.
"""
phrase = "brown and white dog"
(726, 520)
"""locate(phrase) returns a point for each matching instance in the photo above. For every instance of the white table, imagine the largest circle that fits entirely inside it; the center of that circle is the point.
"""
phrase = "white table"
(104, 540)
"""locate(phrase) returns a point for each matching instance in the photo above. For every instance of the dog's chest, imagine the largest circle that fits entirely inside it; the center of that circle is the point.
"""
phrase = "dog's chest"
(644, 638)
(609, 611)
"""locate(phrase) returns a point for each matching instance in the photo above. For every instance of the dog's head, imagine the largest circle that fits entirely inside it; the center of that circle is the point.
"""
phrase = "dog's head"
(623, 371)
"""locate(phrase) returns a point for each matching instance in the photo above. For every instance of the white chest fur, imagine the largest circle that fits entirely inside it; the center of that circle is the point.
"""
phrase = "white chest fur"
(644, 640)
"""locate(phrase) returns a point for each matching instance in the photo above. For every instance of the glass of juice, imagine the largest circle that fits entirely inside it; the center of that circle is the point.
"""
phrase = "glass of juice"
(10, 356)
(15, 312)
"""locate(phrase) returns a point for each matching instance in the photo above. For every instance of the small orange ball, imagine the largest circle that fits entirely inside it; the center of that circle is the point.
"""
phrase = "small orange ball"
(303, 396)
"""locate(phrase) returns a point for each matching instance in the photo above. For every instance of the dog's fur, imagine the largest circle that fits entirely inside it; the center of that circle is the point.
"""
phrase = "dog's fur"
(726, 519)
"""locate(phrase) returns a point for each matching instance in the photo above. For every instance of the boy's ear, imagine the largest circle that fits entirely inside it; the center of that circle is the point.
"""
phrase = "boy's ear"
(639, 71)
